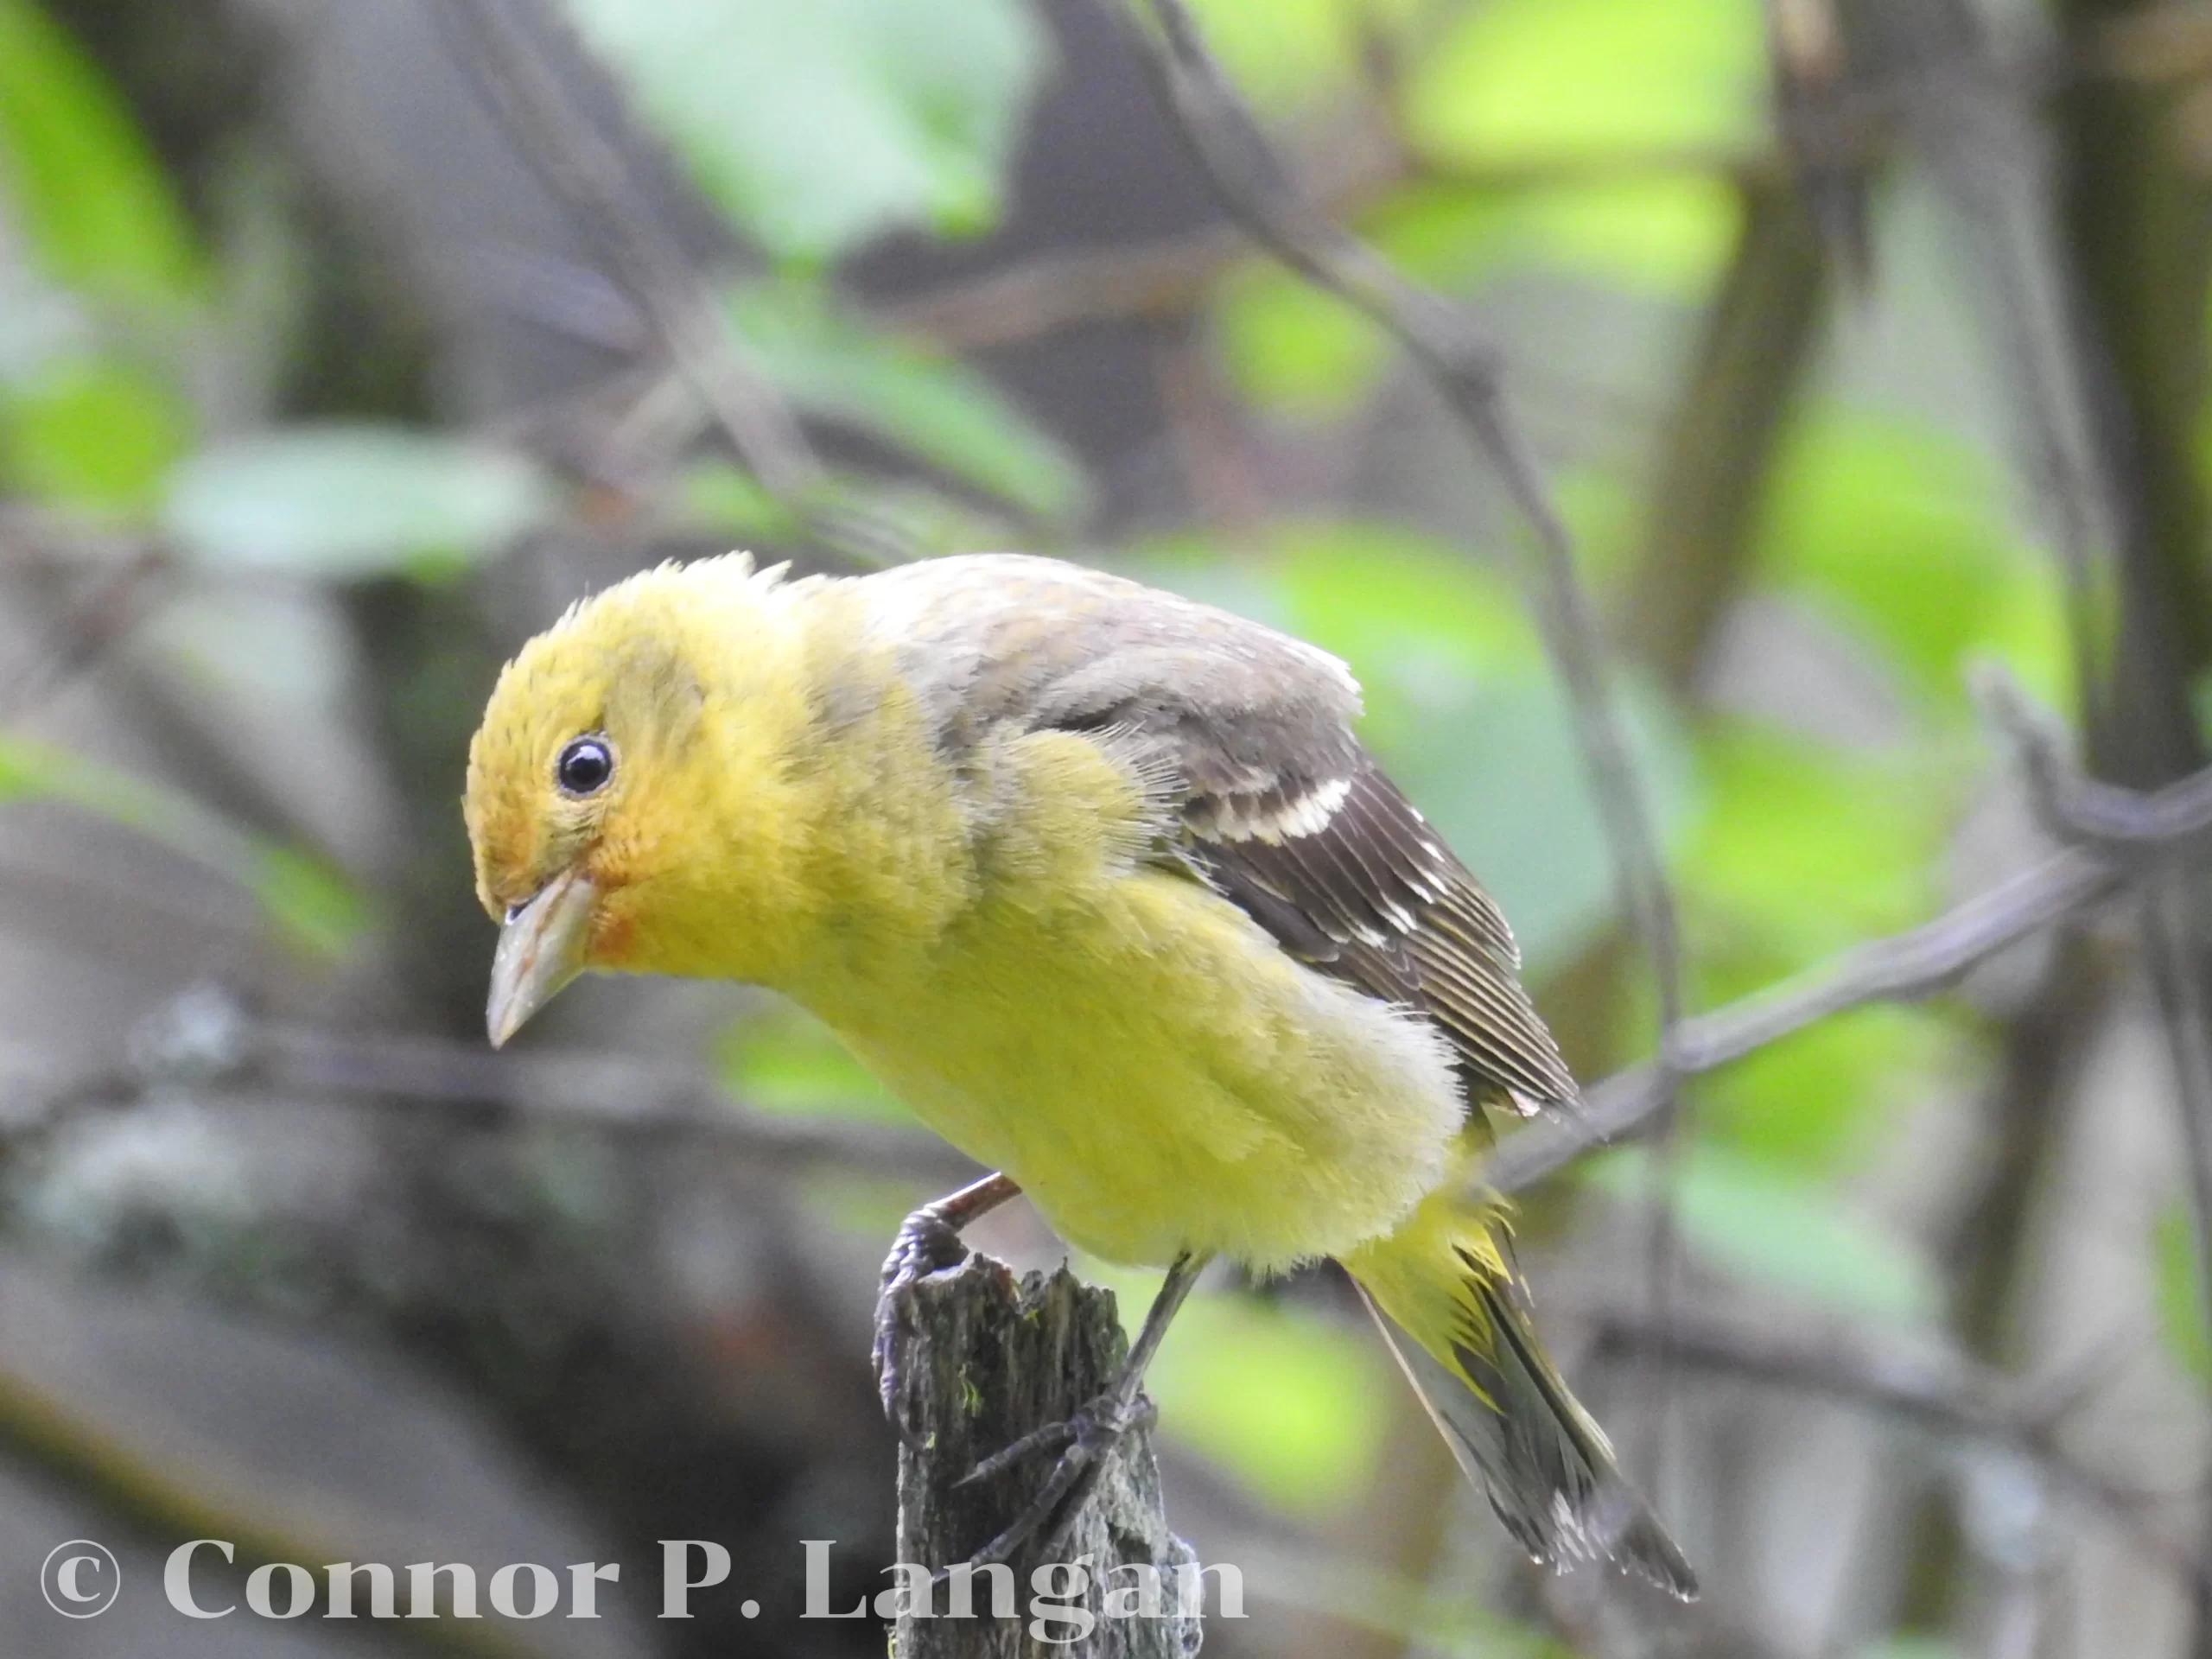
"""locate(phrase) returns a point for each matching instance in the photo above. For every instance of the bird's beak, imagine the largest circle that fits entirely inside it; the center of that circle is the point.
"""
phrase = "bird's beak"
(541, 949)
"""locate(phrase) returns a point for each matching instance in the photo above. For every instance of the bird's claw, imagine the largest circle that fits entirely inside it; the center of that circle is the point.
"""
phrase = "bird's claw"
(926, 1243)
(1086, 1442)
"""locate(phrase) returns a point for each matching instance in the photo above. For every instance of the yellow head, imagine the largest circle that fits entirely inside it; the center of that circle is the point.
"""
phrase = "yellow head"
(635, 797)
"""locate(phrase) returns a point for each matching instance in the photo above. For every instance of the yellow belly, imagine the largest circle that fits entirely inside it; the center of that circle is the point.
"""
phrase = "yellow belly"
(1159, 1077)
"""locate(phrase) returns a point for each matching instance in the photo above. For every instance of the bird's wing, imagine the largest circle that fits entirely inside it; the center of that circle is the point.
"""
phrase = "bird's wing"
(1347, 875)
(1282, 811)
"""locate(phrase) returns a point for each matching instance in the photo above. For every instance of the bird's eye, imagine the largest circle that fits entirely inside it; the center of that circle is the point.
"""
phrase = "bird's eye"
(584, 766)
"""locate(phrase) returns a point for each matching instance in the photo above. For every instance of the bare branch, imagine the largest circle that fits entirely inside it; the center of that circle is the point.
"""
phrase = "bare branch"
(687, 314)
(1173, 275)
(1901, 969)
(1934, 1387)
(611, 1094)
(206, 1040)
(128, 589)
(2075, 808)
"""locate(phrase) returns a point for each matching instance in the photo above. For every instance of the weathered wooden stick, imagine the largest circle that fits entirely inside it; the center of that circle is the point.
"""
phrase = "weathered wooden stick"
(990, 1361)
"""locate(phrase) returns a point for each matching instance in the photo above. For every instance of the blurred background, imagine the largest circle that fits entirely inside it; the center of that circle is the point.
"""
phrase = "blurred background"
(343, 345)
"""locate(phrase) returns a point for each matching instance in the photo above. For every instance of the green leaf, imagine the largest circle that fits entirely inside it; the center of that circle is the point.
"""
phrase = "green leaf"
(1501, 773)
(1297, 351)
(1900, 532)
(343, 503)
(1423, 620)
(2178, 1290)
(1670, 237)
(82, 182)
(714, 494)
(312, 905)
(1293, 1406)
(820, 125)
(1535, 79)
(92, 433)
(1293, 349)
(1803, 851)
(1810, 849)
(1822, 1096)
(1533, 82)
(1779, 1227)
(1289, 53)
(904, 393)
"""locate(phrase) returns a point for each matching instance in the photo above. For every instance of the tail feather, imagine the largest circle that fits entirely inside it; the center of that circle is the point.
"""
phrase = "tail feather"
(1457, 1320)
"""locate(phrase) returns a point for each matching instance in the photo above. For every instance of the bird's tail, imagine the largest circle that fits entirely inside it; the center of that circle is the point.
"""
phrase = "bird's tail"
(1443, 1290)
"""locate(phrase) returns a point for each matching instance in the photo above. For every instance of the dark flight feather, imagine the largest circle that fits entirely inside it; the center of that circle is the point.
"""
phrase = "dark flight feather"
(1369, 892)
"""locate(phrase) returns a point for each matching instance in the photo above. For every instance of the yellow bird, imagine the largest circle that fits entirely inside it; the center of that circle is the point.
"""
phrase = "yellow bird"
(1099, 880)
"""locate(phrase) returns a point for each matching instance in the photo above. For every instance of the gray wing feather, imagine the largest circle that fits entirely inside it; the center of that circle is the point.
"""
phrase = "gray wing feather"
(1282, 811)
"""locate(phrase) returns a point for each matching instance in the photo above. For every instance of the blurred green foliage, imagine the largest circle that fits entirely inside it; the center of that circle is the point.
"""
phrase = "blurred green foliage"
(93, 432)
(1539, 89)
(776, 1059)
(1544, 79)
(343, 503)
(1293, 1406)
(1896, 530)
(834, 367)
(1765, 1222)
(2180, 1292)
(83, 188)
(818, 126)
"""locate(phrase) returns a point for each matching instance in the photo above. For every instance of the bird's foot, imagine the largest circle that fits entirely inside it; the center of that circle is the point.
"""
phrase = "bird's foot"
(1085, 1443)
(927, 1243)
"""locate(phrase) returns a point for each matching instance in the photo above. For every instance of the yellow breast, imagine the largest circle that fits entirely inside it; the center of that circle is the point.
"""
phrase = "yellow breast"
(1159, 1077)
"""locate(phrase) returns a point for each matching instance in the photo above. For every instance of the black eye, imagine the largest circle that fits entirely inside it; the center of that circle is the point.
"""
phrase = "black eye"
(584, 766)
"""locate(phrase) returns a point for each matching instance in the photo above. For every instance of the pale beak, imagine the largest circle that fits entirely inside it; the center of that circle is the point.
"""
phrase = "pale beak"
(541, 949)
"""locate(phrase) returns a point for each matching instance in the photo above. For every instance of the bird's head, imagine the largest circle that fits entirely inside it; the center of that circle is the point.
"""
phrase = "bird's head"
(627, 790)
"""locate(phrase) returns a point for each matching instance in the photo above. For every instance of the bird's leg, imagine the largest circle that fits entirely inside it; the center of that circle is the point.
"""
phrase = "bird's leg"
(1087, 1439)
(928, 1240)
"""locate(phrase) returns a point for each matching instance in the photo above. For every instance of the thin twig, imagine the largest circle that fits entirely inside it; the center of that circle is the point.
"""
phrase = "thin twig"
(204, 1039)
(1853, 127)
(1903, 968)
(77, 639)
(587, 173)
(2122, 821)
(2075, 808)
(1939, 1388)
(1173, 275)
(610, 1094)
